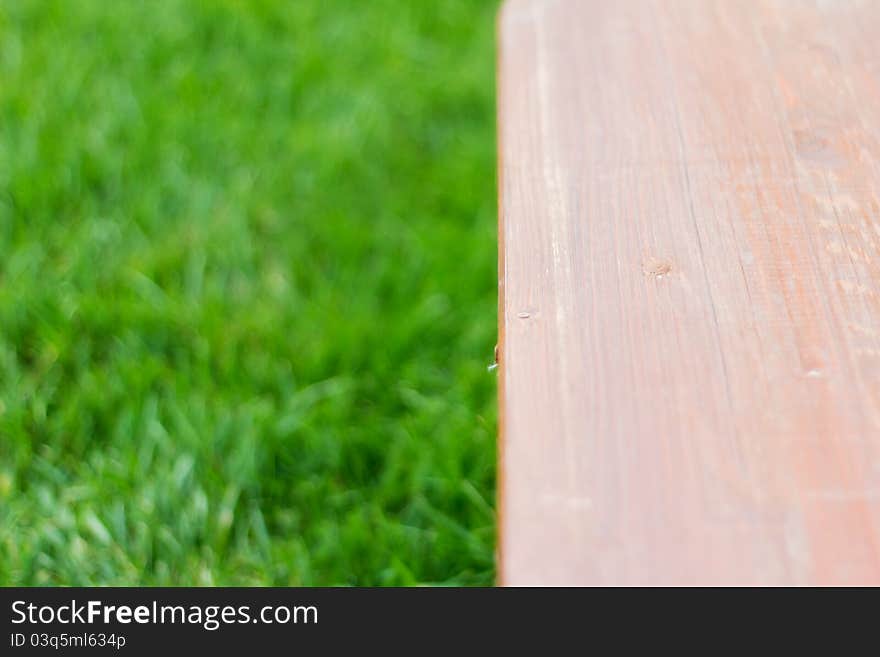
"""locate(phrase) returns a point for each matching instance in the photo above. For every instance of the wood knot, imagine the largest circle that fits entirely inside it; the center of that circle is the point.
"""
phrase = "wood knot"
(816, 148)
(657, 267)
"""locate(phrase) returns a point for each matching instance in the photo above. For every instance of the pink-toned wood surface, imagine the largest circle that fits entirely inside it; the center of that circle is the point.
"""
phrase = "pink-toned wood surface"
(690, 292)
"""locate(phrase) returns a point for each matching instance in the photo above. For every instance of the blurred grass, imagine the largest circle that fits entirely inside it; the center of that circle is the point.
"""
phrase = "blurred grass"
(247, 292)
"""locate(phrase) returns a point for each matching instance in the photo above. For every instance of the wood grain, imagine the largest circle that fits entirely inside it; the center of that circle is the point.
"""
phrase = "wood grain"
(689, 292)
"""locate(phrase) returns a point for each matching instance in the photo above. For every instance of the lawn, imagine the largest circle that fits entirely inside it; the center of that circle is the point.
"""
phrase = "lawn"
(247, 292)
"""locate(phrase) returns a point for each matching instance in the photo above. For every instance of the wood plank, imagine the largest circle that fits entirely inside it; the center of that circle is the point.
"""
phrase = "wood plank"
(689, 292)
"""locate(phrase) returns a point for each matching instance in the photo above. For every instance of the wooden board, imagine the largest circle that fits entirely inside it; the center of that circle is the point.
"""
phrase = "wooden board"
(690, 292)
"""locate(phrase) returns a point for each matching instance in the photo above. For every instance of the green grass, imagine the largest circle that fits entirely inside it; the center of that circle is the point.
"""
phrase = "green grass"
(247, 292)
